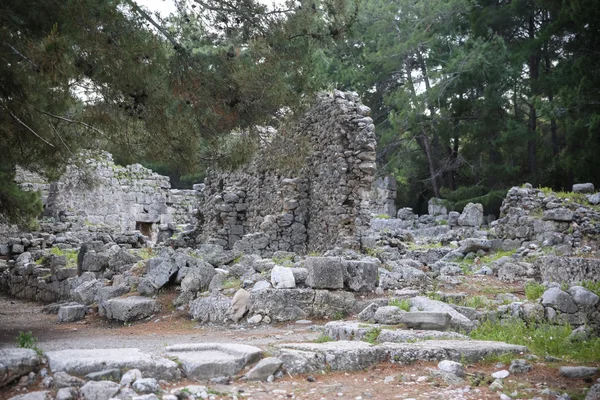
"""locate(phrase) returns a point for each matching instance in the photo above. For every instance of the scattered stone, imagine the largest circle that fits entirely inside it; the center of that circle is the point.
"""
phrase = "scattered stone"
(67, 393)
(15, 363)
(368, 314)
(64, 380)
(128, 308)
(587, 187)
(457, 321)
(240, 304)
(502, 374)
(282, 278)
(71, 313)
(389, 315)
(426, 320)
(452, 367)
(472, 215)
(130, 376)
(41, 395)
(519, 366)
(265, 368)
(213, 308)
(145, 385)
(583, 297)
(103, 390)
(556, 298)
(578, 372)
(360, 276)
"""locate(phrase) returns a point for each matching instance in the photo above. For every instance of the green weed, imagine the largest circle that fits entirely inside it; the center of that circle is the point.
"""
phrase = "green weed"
(372, 335)
(592, 286)
(477, 302)
(232, 282)
(382, 216)
(534, 290)
(26, 340)
(323, 339)
(403, 304)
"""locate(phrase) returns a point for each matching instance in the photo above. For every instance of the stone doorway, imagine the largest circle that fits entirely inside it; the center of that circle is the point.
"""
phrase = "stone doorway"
(145, 228)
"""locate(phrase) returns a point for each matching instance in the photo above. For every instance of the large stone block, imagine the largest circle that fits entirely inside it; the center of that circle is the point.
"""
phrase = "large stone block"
(15, 363)
(360, 276)
(71, 313)
(128, 308)
(325, 272)
(282, 305)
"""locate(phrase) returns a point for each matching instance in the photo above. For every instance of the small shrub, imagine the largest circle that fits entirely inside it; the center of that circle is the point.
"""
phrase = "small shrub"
(339, 315)
(592, 286)
(232, 282)
(26, 340)
(323, 339)
(534, 290)
(477, 302)
(372, 335)
(403, 304)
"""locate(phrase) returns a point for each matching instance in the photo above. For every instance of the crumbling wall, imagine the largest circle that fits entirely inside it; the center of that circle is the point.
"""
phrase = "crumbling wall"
(262, 207)
(383, 196)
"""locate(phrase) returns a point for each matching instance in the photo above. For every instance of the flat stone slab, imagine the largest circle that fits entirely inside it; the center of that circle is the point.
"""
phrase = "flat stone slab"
(15, 363)
(426, 320)
(351, 356)
(203, 361)
(85, 361)
(342, 330)
(454, 350)
(128, 308)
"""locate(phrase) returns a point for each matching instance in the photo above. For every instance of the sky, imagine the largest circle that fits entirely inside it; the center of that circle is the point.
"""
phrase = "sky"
(164, 7)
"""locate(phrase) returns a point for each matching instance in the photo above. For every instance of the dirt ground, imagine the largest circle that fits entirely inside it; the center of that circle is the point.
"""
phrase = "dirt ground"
(172, 327)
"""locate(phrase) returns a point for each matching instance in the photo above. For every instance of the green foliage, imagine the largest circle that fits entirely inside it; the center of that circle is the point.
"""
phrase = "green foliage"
(458, 199)
(403, 304)
(592, 286)
(70, 255)
(382, 216)
(542, 339)
(323, 339)
(26, 340)
(534, 290)
(477, 302)
(372, 335)
(17, 206)
(339, 315)
(232, 282)
(285, 261)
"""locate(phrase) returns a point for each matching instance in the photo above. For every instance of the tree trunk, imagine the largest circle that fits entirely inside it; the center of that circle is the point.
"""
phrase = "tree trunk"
(423, 141)
(534, 67)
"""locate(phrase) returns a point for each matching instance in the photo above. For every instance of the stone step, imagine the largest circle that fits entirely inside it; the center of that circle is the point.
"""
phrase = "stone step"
(352, 356)
(85, 361)
(343, 330)
(203, 361)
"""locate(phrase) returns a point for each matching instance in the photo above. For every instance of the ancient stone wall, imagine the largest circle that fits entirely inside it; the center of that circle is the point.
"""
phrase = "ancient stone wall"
(383, 196)
(262, 207)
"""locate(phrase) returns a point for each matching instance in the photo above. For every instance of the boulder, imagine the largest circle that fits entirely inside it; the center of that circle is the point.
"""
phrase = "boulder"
(472, 215)
(130, 376)
(560, 214)
(452, 367)
(14, 363)
(158, 272)
(210, 309)
(86, 292)
(282, 278)
(198, 276)
(265, 367)
(112, 374)
(128, 308)
(110, 292)
(71, 313)
(583, 297)
(360, 276)
(388, 315)
(332, 304)
(145, 385)
(240, 304)
(103, 390)
(559, 300)
(457, 321)
(282, 305)
(64, 380)
(587, 187)
(325, 272)
(578, 372)
(39, 395)
(438, 321)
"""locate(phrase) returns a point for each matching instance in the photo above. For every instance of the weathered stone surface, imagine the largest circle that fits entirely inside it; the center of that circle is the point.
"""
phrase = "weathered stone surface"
(332, 304)
(515, 271)
(130, 376)
(158, 272)
(240, 304)
(388, 315)
(568, 269)
(473, 245)
(594, 393)
(558, 214)
(556, 298)
(15, 363)
(452, 367)
(426, 320)
(84, 361)
(202, 361)
(128, 308)
(458, 321)
(40, 395)
(325, 272)
(67, 393)
(64, 380)
(198, 276)
(99, 390)
(113, 374)
(368, 313)
(86, 292)
(343, 330)
(583, 297)
(587, 187)
(472, 215)
(519, 366)
(71, 313)
(265, 367)
(145, 385)
(283, 305)
(110, 292)
(360, 276)
(282, 278)
(578, 372)
(401, 276)
(211, 309)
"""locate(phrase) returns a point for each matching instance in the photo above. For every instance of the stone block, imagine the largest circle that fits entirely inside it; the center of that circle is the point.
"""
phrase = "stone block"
(128, 308)
(71, 313)
(360, 276)
(325, 272)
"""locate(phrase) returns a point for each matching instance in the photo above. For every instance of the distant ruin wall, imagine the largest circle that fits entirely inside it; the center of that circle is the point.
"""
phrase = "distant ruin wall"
(324, 202)
(103, 194)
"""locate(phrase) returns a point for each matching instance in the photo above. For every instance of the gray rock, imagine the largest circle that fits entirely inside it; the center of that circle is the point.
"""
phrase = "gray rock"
(473, 245)
(158, 272)
(593, 199)
(240, 304)
(211, 309)
(67, 393)
(128, 308)
(360, 276)
(113, 374)
(558, 214)
(14, 363)
(448, 377)
(215, 254)
(261, 285)
(99, 390)
(41, 395)
(484, 271)
(86, 292)
(567, 269)
(578, 372)
(84, 361)
(64, 380)
(587, 187)
(472, 215)
(426, 320)
(388, 315)
(130, 376)
(556, 298)
(515, 271)
(325, 272)
(198, 276)
(402, 276)
(94, 262)
(283, 305)
(343, 330)
(202, 361)
(458, 321)
(146, 385)
(300, 275)
(519, 366)
(500, 374)
(110, 292)
(332, 304)
(594, 393)
(282, 278)
(452, 367)
(265, 367)
(71, 313)
(583, 297)
(368, 314)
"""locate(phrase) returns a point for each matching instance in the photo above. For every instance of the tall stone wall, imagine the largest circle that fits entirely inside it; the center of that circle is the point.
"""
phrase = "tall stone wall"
(323, 202)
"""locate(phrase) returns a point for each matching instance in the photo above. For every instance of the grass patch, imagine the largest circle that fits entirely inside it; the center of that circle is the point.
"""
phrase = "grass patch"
(592, 286)
(372, 335)
(26, 340)
(70, 255)
(146, 253)
(339, 315)
(534, 290)
(284, 261)
(542, 340)
(232, 282)
(477, 302)
(426, 246)
(403, 304)
(382, 216)
(323, 339)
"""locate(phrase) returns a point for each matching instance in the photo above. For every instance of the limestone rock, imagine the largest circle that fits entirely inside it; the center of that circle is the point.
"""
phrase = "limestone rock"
(556, 298)
(128, 308)
(472, 215)
(282, 278)
(240, 304)
(583, 297)
(389, 315)
(145, 385)
(265, 367)
(583, 187)
(158, 272)
(15, 363)
(210, 309)
(71, 313)
(578, 372)
(452, 367)
(325, 272)
(426, 320)
(103, 390)
(283, 305)
(360, 276)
